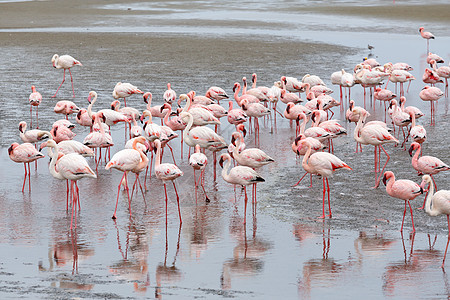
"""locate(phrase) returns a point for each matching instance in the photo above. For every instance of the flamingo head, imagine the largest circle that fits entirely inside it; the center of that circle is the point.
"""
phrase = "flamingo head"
(101, 116)
(146, 96)
(421, 29)
(235, 86)
(413, 147)
(221, 161)
(22, 126)
(241, 127)
(165, 106)
(12, 147)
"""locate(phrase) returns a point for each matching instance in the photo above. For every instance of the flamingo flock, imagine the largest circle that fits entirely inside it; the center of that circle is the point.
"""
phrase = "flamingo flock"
(70, 159)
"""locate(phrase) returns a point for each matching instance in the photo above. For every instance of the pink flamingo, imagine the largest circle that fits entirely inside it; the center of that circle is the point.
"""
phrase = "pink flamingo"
(167, 172)
(216, 93)
(437, 204)
(431, 77)
(239, 175)
(127, 160)
(198, 161)
(428, 165)
(62, 133)
(169, 95)
(24, 153)
(35, 99)
(431, 93)
(64, 62)
(426, 35)
(83, 118)
(323, 164)
(286, 97)
(443, 72)
(33, 135)
(347, 81)
(434, 56)
(71, 167)
(417, 132)
(399, 118)
(373, 134)
(157, 110)
(235, 116)
(66, 108)
(72, 146)
(124, 90)
(402, 189)
(98, 139)
(384, 95)
(255, 110)
(408, 109)
(292, 84)
(250, 98)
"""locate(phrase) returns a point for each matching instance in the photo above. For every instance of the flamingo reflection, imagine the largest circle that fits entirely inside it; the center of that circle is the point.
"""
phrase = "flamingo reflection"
(324, 271)
(65, 251)
(133, 266)
(168, 273)
(247, 254)
(406, 276)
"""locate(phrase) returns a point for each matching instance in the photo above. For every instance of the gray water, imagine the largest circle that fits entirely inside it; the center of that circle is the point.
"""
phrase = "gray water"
(284, 251)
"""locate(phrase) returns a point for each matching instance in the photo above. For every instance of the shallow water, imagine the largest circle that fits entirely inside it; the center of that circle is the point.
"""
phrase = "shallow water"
(284, 251)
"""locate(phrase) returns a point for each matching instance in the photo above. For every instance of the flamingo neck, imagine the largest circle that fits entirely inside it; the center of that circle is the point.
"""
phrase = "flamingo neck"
(358, 128)
(52, 166)
(144, 159)
(428, 208)
(90, 106)
(415, 158)
(236, 94)
(149, 102)
(303, 126)
(188, 104)
(158, 154)
(225, 175)
(305, 160)
(188, 127)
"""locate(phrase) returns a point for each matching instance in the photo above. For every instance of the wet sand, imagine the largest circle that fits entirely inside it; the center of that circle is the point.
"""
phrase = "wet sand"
(284, 251)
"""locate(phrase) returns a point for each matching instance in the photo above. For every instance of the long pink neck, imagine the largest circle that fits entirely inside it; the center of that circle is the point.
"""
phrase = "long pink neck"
(305, 160)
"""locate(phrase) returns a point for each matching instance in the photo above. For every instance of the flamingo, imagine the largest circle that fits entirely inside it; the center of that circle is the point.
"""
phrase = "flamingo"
(98, 139)
(216, 93)
(431, 77)
(347, 81)
(402, 66)
(24, 153)
(428, 165)
(260, 93)
(71, 167)
(83, 118)
(336, 80)
(71, 146)
(62, 133)
(373, 134)
(434, 56)
(443, 72)
(426, 35)
(201, 114)
(110, 116)
(239, 175)
(250, 157)
(417, 132)
(399, 118)
(64, 62)
(128, 111)
(286, 97)
(235, 116)
(402, 189)
(437, 204)
(135, 130)
(33, 135)
(292, 84)
(156, 110)
(323, 164)
(124, 90)
(66, 108)
(408, 109)
(313, 80)
(255, 110)
(35, 99)
(431, 93)
(167, 172)
(128, 160)
(198, 161)
(372, 62)
(239, 99)
(169, 95)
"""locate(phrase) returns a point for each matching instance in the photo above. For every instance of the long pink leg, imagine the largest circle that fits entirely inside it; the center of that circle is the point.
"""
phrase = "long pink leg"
(377, 184)
(71, 80)
(31, 116)
(448, 240)
(128, 193)
(78, 195)
(178, 202)
(203, 184)
(412, 219)
(25, 177)
(300, 179)
(329, 201)
(404, 213)
(245, 205)
(165, 192)
(64, 79)
(118, 192)
(67, 194)
(323, 199)
(74, 204)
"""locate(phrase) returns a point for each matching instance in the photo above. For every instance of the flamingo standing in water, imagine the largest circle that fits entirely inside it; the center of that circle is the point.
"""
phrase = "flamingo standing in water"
(426, 35)
(239, 175)
(64, 62)
(198, 161)
(169, 95)
(71, 167)
(24, 153)
(437, 204)
(402, 189)
(428, 165)
(216, 93)
(167, 172)
(66, 108)
(128, 160)
(124, 90)
(443, 72)
(373, 134)
(35, 99)
(235, 116)
(431, 93)
(323, 164)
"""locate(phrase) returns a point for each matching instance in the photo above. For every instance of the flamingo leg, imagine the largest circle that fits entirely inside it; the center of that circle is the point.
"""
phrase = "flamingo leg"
(29, 176)
(404, 213)
(165, 192)
(329, 201)
(64, 79)
(118, 192)
(178, 202)
(128, 193)
(323, 199)
(140, 186)
(37, 117)
(202, 178)
(171, 151)
(300, 179)
(71, 80)
(67, 194)
(78, 195)
(25, 177)
(446, 247)
(412, 219)
(377, 184)
(245, 205)
(73, 203)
